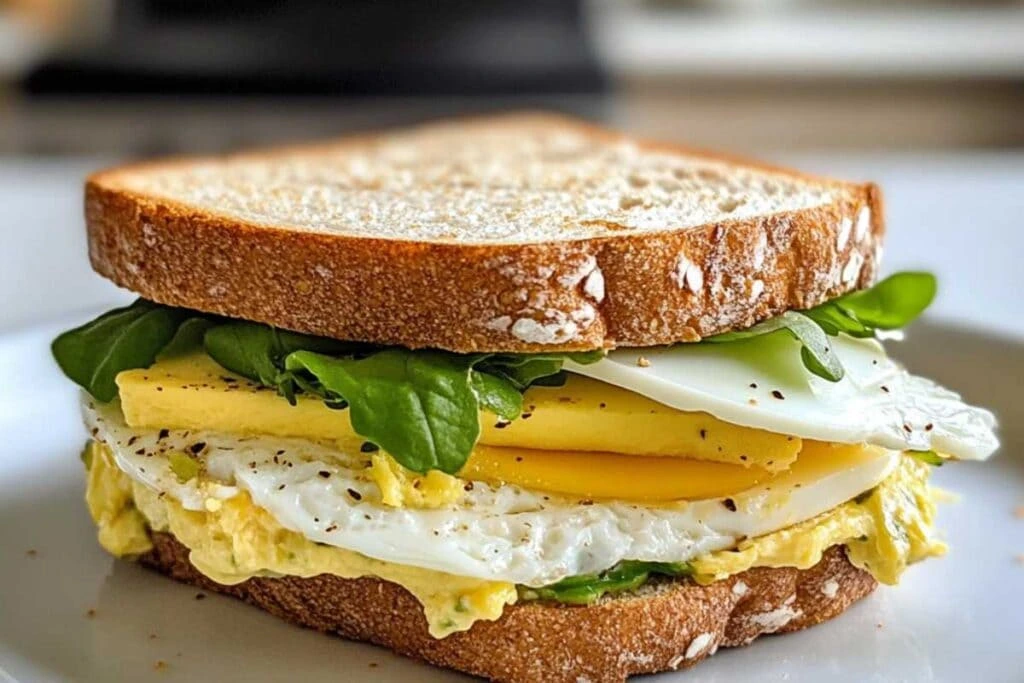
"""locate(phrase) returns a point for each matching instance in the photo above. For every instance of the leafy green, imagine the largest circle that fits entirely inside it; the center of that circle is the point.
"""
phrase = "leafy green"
(418, 406)
(833, 320)
(928, 457)
(422, 407)
(258, 351)
(588, 588)
(497, 395)
(525, 370)
(890, 304)
(122, 339)
(816, 350)
(188, 337)
(893, 302)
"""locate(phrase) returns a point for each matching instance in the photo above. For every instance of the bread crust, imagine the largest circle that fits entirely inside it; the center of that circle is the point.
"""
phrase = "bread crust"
(628, 289)
(672, 624)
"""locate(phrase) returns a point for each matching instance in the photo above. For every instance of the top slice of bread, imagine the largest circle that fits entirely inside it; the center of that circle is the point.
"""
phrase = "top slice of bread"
(528, 232)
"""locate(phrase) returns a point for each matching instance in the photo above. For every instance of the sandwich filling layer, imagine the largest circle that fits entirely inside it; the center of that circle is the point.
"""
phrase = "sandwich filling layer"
(475, 480)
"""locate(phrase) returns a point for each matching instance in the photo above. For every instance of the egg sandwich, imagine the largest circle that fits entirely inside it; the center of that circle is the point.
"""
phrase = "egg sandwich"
(517, 396)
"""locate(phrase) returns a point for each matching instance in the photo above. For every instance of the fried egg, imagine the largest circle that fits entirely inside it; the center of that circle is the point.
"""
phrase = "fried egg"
(762, 383)
(494, 532)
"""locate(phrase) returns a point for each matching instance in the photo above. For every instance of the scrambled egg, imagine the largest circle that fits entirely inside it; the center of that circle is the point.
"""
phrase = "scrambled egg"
(235, 540)
(400, 487)
(884, 530)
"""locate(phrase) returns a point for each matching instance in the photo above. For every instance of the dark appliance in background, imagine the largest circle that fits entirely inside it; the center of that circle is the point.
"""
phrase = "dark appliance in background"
(320, 47)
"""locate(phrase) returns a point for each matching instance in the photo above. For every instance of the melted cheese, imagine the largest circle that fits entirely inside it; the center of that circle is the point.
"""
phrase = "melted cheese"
(884, 532)
(193, 392)
(237, 540)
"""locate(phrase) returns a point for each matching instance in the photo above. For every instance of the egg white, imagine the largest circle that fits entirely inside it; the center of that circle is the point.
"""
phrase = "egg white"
(502, 533)
(762, 383)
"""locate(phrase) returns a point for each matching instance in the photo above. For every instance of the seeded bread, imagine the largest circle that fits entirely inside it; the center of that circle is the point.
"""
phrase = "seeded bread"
(518, 233)
(667, 625)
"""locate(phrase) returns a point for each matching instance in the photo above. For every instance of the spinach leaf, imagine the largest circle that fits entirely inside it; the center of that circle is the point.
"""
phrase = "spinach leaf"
(892, 303)
(421, 406)
(418, 406)
(122, 339)
(833, 320)
(258, 352)
(816, 350)
(525, 370)
(588, 588)
(188, 338)
(497, 395)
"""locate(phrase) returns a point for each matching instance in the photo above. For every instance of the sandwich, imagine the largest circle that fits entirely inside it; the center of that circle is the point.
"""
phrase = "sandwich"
(517, 396)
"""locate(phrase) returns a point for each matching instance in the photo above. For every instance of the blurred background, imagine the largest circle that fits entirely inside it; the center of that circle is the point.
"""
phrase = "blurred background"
(924, 96)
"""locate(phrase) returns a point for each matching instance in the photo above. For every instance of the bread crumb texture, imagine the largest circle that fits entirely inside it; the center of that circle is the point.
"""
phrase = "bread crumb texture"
(511, 180)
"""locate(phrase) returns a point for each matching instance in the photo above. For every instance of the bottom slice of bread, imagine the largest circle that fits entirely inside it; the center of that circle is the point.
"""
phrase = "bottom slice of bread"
(669, 624)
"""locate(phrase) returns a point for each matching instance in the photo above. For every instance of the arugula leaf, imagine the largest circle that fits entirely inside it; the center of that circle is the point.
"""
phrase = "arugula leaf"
(816, 351)
(122, 339)
(892, 303)
(420, 406)
(588, 588)
(928, 457)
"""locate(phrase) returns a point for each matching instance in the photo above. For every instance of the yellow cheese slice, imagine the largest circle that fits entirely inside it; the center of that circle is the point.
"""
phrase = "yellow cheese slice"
(193, 392)
(642, 479)
(591, 475)
(589, 415)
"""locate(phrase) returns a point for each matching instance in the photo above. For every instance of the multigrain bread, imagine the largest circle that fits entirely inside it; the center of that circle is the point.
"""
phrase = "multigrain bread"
(526, 232)
(670, 624)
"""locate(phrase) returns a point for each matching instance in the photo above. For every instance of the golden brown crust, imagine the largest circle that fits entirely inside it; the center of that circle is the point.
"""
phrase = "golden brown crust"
(669, 625)
(469, 296)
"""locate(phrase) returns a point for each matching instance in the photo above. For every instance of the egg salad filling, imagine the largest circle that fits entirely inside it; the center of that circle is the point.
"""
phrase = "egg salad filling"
(232, 540)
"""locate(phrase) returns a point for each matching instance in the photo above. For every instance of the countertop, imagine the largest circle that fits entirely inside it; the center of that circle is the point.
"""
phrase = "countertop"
(956, 214)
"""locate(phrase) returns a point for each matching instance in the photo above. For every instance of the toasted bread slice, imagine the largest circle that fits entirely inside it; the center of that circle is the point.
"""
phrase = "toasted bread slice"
(670, 624)
(516, 233)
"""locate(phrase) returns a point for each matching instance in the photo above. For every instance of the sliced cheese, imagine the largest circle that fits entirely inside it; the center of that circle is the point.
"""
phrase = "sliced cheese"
(589, 415)
(193, 392)
(609, 475)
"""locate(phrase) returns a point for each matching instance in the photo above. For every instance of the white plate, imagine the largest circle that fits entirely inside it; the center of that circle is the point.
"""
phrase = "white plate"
(955, 619)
